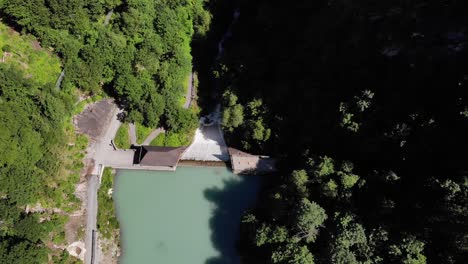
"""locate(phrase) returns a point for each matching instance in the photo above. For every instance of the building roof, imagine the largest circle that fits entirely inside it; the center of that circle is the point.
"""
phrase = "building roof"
(236, 152)
(160, 156)
(243, 162)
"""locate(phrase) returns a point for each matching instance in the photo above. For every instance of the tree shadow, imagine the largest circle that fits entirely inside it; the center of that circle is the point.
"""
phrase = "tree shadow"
(230, 202)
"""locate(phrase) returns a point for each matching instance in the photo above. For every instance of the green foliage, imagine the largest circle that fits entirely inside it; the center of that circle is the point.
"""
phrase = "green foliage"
(159, 140)
(37, 167)
(6, 48)
(310, 216)
(35, 62)
(348, 180)
(292, 254)
(143, 59)
(299, 179)
(23, 144)
(107, 223)
(409, 251)
(233, 113)
(270, 235)
(258, 131)
(374, 98)
(349, 241)
(22, 251)
(233, 116)
(330, 188)
(122, 138)
(142, 132)
(350, 111)
(250, 120)
(64, 258)
(181, 120)
(325, 167)
(334, 181)
(144, 56)
(171, 139)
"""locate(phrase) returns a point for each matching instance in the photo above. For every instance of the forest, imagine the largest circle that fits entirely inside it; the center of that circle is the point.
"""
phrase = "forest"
(137, 51)
(141, 56)
(365, 105)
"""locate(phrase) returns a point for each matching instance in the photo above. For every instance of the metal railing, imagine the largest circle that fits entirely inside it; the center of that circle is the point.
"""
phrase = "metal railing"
(93, 245)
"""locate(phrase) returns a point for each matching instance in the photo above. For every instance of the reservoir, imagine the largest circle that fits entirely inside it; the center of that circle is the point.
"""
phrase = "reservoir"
(190, 216)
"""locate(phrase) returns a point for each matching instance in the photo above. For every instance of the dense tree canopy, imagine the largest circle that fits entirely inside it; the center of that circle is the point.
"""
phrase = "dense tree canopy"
(365, 103)
(31, 144)
(143, 56)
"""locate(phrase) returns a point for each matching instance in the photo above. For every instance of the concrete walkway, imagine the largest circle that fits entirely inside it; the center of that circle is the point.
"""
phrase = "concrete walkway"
(132, 134)
(153, 135)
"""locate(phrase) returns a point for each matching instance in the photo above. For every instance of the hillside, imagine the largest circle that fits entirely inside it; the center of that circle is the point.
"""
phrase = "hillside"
(365, 104)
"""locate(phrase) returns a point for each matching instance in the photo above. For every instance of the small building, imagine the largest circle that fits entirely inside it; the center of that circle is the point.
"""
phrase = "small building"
(245, 163)
(161, 158)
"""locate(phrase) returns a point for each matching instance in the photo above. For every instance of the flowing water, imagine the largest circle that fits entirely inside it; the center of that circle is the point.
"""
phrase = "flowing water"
(190, 216)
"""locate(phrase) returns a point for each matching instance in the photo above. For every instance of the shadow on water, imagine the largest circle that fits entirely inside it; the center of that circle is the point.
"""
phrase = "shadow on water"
(230, 201)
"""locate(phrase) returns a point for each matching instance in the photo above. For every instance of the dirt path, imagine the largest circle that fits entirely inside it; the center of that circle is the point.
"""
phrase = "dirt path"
(108, 17)
(153, 135)
(132, 133)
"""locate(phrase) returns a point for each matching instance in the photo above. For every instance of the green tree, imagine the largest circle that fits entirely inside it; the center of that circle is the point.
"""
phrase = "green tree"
(292, 254)
(349, 241)
(309, 217)
(233, 117)
(325, 166)
(6, 48)
(299, 180)
(268, 235)
(408, 251)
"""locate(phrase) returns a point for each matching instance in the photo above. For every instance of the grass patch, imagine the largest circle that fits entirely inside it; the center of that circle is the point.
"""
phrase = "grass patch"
(36, 63)
(122, 138)
(142, 132)
(171, 139)
(107, 223)
(159, 140)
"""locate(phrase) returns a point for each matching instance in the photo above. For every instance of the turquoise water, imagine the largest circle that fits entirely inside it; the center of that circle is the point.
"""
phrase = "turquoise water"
(190, 216)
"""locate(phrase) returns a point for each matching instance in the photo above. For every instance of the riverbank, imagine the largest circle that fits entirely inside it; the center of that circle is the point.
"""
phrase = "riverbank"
(107, 223)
